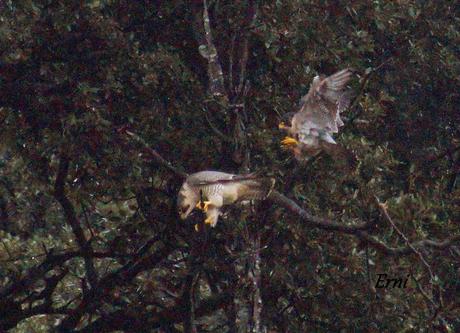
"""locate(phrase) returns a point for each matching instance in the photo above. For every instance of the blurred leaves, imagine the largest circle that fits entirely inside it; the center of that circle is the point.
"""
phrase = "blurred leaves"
(72, 74)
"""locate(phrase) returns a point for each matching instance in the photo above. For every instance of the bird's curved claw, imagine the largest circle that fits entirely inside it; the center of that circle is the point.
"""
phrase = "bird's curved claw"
(203, 205)
(288, 141)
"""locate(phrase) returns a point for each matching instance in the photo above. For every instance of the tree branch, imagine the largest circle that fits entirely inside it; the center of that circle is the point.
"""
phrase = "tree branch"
(125, 320)
(122, 276)
(250, 17)
(363, 87)
(11, 311)
(208, 51)
(154, 154)
(72, 220)
(405, 250)
(318, 222)
(357, 230)
(384, 211)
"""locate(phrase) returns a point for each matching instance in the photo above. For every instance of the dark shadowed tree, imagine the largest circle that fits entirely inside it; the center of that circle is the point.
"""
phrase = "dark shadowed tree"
(105, 107)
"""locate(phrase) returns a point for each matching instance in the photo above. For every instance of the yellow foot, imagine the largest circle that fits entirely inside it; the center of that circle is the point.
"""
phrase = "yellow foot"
(288, 141)
(203, 205)
(282, 125)
(209, 220)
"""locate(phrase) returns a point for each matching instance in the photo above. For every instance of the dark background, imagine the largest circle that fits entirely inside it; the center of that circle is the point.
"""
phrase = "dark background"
(90, 239)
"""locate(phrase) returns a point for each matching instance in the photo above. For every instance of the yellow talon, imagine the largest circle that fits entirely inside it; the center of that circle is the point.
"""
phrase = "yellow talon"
(282, 125)
(197, 228)
(203, 205)
(208, 220)
(288, 141)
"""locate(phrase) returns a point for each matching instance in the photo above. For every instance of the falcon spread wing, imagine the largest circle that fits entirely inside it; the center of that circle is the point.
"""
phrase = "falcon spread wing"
(313, 126)
(210, 190)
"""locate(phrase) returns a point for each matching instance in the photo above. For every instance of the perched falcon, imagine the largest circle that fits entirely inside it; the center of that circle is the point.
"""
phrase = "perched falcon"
(210, 190)
(313, 126)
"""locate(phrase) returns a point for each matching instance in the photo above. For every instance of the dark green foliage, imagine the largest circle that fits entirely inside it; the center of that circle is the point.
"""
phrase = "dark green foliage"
(75, 75)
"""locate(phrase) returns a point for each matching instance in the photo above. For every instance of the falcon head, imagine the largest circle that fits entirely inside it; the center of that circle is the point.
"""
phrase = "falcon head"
(186, 201)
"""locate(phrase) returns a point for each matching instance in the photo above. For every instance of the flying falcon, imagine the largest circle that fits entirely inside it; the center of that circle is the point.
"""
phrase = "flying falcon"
(210, 190)
(318, 119)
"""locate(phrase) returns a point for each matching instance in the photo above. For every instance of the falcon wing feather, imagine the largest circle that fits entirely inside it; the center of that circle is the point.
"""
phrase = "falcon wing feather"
(227, 179)
(325, 100)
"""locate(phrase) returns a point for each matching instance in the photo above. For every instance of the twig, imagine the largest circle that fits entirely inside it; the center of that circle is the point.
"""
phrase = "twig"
(356, 229)
(221, 135)
(384, 211)
(243, 63)
(319, 222)
(72, 220)
(363, 86)
(36, 273)
(230, 65)
(153, 153)
(424, 294)
(404, 250)
(88, 225)
(7, 249)
(255, 278)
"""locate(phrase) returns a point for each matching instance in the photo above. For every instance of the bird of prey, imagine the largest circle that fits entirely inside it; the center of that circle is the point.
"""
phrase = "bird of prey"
(313, 126)
(210, 190)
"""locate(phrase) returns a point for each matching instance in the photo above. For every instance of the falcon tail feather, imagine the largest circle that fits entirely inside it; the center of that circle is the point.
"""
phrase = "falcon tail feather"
(257, 188)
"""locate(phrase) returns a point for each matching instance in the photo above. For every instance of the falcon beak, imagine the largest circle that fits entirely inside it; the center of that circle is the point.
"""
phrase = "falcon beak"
(203, 205)
(288, 141)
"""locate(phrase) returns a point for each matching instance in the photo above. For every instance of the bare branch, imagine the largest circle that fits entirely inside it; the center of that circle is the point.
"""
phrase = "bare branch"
(230, 64)
(125, 320)
(188, 301)
(221, 135)
(384, 211)
(122, 276)
(356, 229)
(247, 23)
(363, 87)
(255, 278)
(319, 222)
(243, 64)
(153, 153)
(209, 52)
(404, 250)
(35, 274)
(72, 220)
